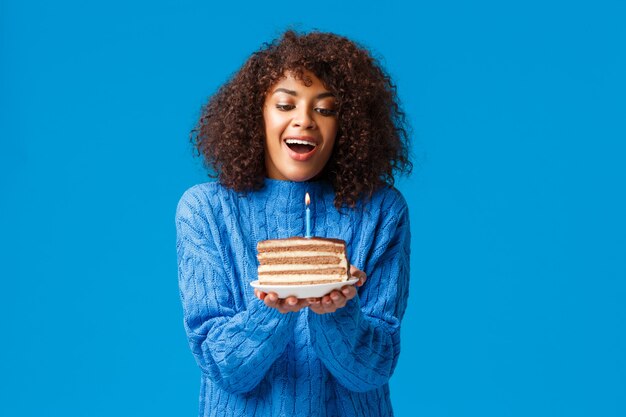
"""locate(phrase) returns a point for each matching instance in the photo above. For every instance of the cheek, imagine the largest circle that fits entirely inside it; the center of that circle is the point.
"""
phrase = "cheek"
(274, 122)
(330, 132)
(331, 127)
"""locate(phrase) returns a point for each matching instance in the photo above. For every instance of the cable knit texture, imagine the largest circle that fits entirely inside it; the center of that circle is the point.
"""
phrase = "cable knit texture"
(255, 361)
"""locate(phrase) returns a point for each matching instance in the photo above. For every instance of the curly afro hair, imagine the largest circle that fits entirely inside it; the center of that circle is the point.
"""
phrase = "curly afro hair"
(372, 139)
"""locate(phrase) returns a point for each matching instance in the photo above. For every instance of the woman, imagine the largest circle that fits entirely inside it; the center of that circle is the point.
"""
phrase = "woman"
(306, 113)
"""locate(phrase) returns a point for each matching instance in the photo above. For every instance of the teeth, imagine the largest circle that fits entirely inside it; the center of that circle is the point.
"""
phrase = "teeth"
(299, 142)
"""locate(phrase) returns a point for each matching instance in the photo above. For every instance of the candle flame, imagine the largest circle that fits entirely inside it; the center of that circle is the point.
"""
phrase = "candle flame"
(307, 199)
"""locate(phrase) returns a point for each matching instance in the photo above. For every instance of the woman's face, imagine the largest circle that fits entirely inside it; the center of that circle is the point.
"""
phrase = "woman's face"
(300, 128)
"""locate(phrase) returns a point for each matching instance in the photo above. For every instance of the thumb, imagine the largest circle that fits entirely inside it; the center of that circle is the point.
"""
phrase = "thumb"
(357, 273)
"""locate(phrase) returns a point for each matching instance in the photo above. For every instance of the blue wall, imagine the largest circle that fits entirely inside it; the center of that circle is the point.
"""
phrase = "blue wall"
(517, 304)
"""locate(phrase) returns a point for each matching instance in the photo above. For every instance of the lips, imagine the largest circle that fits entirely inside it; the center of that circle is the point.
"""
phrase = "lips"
(300, 148)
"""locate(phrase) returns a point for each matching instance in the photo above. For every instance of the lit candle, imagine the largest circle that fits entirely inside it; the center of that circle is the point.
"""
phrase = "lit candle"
(307, 201)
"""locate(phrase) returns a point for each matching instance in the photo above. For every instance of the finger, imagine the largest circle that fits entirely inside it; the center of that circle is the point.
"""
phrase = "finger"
(322, 309)
(349, 292)
(330, 309)
(317, 308)
(314, 300)
(326, 300)
(357, 273)
(337, 300)
(292, 304)
(336, 296)
(283, 307)
(271, 300)
(302, 303)
(325, 306)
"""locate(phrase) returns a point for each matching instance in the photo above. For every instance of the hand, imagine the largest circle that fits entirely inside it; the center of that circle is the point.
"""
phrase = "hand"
(337, 299)
(284, 305)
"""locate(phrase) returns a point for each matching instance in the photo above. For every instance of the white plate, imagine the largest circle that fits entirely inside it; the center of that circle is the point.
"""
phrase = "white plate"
(303, 291)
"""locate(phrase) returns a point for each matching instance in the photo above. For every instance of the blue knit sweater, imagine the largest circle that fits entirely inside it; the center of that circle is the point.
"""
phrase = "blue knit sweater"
(256, 361)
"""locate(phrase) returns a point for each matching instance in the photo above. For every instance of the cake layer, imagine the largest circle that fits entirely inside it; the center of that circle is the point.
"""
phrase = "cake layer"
(298, 243)
(316, 272)
(298, 267)
(298, 280)
(301, 240)
(308, 248)
(317, 260)
(271, 282)
(298, 253)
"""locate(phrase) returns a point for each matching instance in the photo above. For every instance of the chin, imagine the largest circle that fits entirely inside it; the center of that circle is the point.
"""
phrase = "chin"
(299, 175)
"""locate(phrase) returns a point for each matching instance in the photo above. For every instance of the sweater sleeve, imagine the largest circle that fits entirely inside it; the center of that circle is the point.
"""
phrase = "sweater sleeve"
(360, 343)
(233, 348)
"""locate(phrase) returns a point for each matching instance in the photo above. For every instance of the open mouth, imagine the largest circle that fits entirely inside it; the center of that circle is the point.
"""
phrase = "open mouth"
(300, 146)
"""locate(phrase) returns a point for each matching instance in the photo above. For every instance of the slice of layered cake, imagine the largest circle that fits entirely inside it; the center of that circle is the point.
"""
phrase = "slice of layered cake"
(302, 261)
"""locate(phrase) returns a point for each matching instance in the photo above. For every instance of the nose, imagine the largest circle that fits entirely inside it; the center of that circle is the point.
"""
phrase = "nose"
(303, 119)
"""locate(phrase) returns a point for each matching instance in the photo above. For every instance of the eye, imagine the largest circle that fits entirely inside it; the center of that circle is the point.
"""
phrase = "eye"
(285, 107)
(326, 112)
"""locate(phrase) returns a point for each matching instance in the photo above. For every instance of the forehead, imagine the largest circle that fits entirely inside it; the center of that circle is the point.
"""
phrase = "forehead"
(289, 82)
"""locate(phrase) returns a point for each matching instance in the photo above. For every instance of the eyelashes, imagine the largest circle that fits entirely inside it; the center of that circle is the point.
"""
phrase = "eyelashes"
(322, 111)
(327, 112)
(284, 107)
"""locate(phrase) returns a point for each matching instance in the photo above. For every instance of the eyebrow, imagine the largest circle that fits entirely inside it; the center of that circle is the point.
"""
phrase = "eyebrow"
(293, 93)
